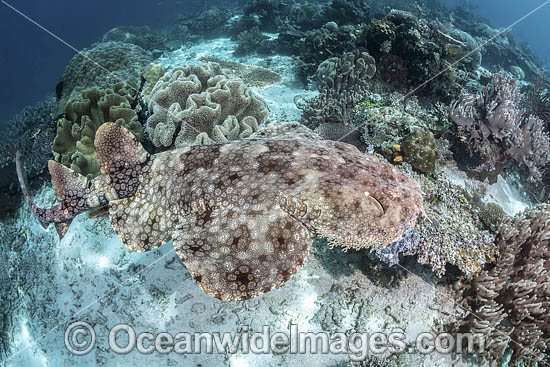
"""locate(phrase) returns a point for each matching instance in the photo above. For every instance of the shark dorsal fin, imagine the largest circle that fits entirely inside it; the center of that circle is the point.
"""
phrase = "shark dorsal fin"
(116, 147)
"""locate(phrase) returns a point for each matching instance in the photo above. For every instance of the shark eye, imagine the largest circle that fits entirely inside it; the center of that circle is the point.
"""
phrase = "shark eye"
(375, 201)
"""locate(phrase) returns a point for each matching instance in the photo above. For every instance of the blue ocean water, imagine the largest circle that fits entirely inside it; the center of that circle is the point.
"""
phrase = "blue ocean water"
(34, 60)
(503, 13)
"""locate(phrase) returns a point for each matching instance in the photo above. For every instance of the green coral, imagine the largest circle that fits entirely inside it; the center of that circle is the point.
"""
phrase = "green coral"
(100, 66)
(367, 103)
(151, 74)
(73, 145)
(419, 150)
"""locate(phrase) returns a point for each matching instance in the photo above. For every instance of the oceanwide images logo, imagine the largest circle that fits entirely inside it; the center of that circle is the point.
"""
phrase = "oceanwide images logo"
(80, 339)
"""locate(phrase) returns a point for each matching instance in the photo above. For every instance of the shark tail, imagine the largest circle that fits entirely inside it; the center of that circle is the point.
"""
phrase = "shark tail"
(70, 188)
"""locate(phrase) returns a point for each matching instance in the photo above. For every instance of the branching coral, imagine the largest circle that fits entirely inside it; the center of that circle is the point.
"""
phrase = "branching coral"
(497, 128)
(342, 84)
(510, 303)
(73, 145)
(200, 104)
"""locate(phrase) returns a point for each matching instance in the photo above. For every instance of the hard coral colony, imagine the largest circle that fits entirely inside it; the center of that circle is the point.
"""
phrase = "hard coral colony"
(239, 213)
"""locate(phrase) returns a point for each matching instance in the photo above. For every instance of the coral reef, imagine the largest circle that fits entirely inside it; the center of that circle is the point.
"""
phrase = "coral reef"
(31, 132)
(208, 24)
(451, 232)
(319, 45)
(252, 40)
(239, 214)
(150, 76)
(99, 66)
(419, 150)
(73, 145)
(252, 75)
(348, 11)
(143, 37)
(293, 17)
(536, 100)
(342, 84)
(200, 104)
(386, 121)
(411, 50)
(510, 303)
(498, 129)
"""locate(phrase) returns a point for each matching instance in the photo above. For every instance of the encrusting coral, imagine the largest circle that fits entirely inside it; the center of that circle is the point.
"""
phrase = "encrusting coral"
(239, 213)
(419, 150)
(200, 104)
(510, 303)
(73, 145)
(451, 232)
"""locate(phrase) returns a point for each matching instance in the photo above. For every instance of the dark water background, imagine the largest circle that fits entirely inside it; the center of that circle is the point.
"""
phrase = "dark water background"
(31, 61)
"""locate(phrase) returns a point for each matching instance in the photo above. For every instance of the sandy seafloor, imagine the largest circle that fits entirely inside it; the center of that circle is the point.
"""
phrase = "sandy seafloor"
(91, 276)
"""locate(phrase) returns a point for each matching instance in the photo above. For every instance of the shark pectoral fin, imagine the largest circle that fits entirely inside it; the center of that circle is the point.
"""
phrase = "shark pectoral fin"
(65, 180)
(117, 148)
(138, 224)
(235, 255)
(62, 228)
(99, 212)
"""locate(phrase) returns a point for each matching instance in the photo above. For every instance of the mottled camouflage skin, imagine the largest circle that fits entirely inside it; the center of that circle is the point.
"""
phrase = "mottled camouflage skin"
(241, 214)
